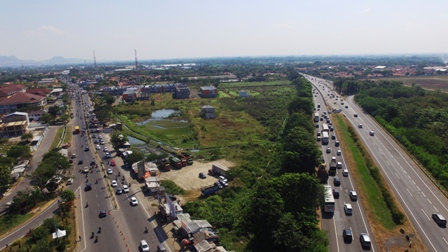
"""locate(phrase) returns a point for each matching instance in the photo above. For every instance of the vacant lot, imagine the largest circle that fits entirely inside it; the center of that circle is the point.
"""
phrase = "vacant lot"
(427, 82)
(188, 177)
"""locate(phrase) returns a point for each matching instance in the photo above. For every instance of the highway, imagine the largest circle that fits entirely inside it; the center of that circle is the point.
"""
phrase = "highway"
(418, 196)
(124, 227)
(337, 222)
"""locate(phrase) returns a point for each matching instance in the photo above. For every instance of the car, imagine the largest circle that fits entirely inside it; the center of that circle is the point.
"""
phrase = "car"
(80, 161)
(364, 238)
(114, 183)
(336, 143)
(96, 141)
(439, 219)
(119, 191)
(328, 150)
(70, 161)
(110, 171)
(345, 173)
(88, 187)
(97, 147)
(100, 137)
(102, 214)
(144, 246)
(202, 175)
(86, 149)
(318, 133)
(93, 136)
(218, 185)
(333, 158)
(360, 126)
(339, 152)
(353, 196)
(336, 193)
(107, 155)
(69, 181)
(333, 137)
(336, 181)
(318, 139)
(112, 163)
(102, 142)
(355, 115)
(92, 162)
(224, 184)
(348, 209)
(125, 188)
(222, 178)
(347, 234)
(346, 106)
(371, 133)
(321, 119)
(134, 201)
(106, 149)
(73, 156)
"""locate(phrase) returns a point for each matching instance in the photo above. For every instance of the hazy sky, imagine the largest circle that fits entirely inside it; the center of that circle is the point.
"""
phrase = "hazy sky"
(164, 29)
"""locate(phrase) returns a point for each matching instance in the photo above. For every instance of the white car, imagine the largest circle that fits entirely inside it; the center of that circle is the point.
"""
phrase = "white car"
(97, 147)
(345, 173)
(222, 178)
(144, 246)
(339, 153)
(114, 183)
(106, 149)
(100, 137)
(125, 188)
(348, 209)
(110, 171)
(134, 201)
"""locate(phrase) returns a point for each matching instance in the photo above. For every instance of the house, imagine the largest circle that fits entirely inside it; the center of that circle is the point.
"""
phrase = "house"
(208, 112)
(208, 92)
(48, 81)
(20, 100)
(56, 92)
(38, 91)
(130, 94)
(14, 124)
(11, 89)
(35, 115)
(181, 92)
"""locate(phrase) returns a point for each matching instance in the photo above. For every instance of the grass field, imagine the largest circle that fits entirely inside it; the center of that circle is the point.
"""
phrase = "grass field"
(438, 82)
(244, 84)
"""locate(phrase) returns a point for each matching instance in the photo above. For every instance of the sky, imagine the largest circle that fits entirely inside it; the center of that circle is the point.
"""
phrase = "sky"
(168, 29)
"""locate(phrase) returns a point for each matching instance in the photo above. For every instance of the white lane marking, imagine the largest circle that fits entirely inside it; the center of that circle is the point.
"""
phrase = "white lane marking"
(418, 188)
(435, 209)
(429, 201)
(397, 176)
(409, 177)
(335, 233)
(413, 182)
(424, 195)
(445, 240)
(409, 192)
(424, 213)
(387, 162)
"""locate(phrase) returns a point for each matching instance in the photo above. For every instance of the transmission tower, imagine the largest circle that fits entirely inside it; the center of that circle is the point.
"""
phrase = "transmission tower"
(94, 60)
(136, 68)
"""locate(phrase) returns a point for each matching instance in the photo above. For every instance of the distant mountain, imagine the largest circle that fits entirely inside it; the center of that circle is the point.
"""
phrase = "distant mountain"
(13, 61)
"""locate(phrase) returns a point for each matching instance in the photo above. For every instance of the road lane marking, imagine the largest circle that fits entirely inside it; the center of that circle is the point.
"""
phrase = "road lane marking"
(409, 192)
(424, 195)
(425, 213)
(413, 182)
(445, 240)
(436, 209)
(397, 176)
(418, 188)
(409, 177)
(429, 201)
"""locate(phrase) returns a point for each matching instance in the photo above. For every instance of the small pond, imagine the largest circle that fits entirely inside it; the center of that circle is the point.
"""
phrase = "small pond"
(159, 114)
(135, 141)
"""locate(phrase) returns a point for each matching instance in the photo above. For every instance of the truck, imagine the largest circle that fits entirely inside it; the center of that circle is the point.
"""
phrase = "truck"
(316, 117)
(322, 173)
(189, 157)
(165, 164)
(332, 170)
(176, 162)
(209, 190)
(183, 159)
(325, 137)
(325, 127)
(218, 169)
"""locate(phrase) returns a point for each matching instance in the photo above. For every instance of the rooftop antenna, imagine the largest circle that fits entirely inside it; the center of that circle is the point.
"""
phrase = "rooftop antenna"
(136, 67)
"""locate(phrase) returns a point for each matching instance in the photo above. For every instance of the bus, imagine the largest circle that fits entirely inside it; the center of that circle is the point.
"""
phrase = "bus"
(77, 129)
(316, 117)
(325, 128)
(329, 199)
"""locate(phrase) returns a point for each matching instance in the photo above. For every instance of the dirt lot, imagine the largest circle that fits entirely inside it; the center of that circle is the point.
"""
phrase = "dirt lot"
(188, 177)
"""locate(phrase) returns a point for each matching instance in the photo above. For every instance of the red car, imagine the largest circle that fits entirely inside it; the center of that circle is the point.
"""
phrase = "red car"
(112, 163)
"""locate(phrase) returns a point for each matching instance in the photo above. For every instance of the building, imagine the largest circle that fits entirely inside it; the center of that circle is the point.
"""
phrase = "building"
(11, 89)
(36, 114)
(20, 100)
(208, 92)
(181, 92)
(208, 112)
(47, 81)
(14, 124)
(130, 94)
(38, 91)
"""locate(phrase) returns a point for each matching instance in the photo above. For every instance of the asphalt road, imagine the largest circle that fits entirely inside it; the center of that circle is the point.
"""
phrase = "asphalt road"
(418, 195)
(337, 222)
(123, 227)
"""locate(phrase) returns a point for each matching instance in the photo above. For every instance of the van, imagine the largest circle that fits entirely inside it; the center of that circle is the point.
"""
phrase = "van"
(439, 219)
(161, 248)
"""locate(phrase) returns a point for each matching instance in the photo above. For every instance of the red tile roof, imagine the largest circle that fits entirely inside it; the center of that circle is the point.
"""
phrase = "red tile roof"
(21, 98)
(38, 91)
(7, 90)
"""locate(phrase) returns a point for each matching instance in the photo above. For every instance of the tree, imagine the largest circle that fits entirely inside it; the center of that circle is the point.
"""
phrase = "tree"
(301, 104)
(118, 140)
(46, 118)
(17, 151)
(68, 195)
(54, 110)
(136, 156)
(301, 153)
(27, 136)
(5, 178)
